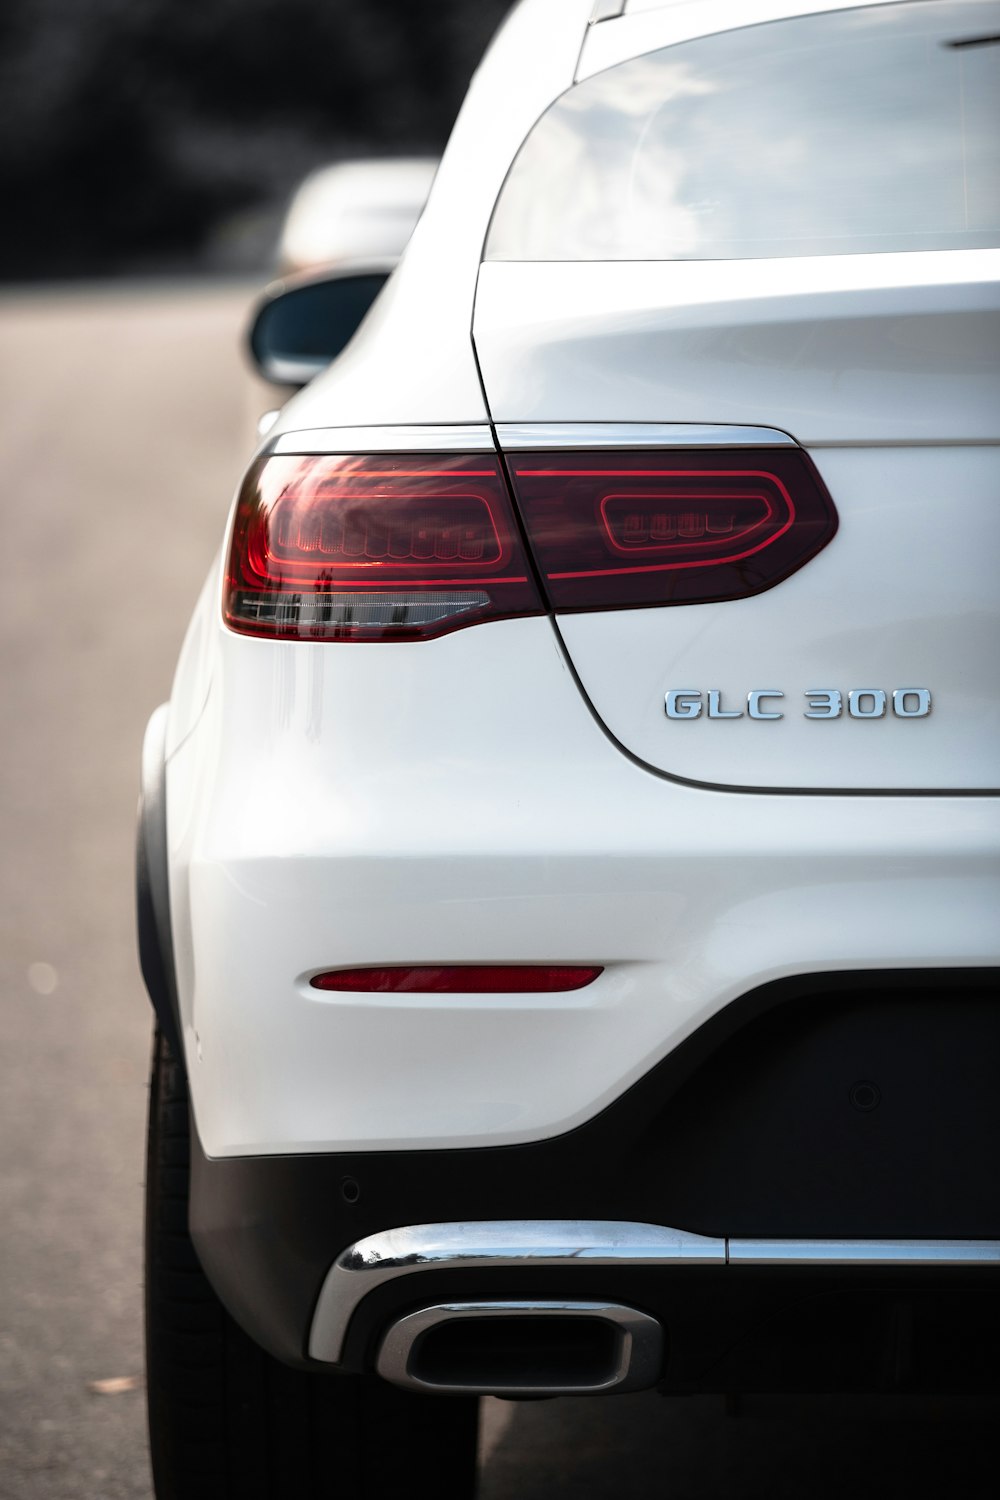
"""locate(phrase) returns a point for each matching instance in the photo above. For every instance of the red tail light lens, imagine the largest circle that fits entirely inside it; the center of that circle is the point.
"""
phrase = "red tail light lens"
(613, 530)
(462, 979)
(398, 547)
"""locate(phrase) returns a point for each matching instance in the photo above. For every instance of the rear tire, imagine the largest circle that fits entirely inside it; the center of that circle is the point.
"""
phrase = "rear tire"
(228, 1422)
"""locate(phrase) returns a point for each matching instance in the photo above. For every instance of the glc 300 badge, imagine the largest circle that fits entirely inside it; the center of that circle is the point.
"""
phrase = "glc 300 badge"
(821, 703)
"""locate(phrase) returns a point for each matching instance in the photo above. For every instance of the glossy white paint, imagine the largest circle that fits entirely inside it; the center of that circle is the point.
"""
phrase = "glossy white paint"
(905, 595)
(193, 677)
(413, 361)
(832, 349)
(457, 801)
(440, 803)
(649, 24)
(885, 366)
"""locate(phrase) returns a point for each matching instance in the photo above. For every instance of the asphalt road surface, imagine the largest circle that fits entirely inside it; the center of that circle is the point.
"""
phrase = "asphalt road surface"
(123, 425)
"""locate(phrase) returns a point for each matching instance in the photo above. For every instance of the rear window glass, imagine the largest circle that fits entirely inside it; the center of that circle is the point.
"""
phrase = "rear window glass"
(836, 134)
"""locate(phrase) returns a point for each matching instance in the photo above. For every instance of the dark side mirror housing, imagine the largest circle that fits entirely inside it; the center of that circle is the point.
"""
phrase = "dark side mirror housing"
(301, 324)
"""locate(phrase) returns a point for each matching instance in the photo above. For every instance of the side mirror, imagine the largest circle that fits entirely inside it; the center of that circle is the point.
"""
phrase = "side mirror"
(301, 324)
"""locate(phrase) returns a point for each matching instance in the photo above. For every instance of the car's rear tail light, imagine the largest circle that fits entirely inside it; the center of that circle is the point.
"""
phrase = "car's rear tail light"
(613, 530)
(463, 979)
(395, 547)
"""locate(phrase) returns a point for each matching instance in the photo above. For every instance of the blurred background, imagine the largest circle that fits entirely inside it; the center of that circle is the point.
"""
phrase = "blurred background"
(148, 151)
(151, 137)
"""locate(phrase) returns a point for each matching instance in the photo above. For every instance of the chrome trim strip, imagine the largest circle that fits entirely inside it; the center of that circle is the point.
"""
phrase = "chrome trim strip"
(532, 435)
(558, 1243)
(467, 438)
(497, 1244)
(864, 1252)
(637, 1355)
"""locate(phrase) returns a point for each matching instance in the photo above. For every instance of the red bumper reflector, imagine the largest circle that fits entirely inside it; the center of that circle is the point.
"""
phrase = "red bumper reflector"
(462, 979)
(390, 547)
(619, 530)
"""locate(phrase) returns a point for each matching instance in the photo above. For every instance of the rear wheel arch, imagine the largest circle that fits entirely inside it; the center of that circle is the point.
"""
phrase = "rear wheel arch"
(152, 889)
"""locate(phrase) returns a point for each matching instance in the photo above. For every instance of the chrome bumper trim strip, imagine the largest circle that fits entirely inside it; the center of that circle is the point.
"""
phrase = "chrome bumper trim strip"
(553, 1243)
(864, 1252)
(500, 1245)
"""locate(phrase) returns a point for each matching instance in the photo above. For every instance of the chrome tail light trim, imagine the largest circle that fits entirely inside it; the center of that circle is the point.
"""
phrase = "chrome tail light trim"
(533, 436)
(464, 438)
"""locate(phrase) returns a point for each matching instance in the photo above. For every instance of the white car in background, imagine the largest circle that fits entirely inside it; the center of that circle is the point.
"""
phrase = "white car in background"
(354, 209)
(343, 233)
(568, 878)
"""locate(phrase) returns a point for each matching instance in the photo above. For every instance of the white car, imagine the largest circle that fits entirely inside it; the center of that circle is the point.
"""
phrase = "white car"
(345, 229)
(354, 210)
(568, 877)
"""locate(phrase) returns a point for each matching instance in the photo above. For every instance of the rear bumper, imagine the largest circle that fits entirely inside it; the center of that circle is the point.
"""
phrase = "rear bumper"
(612, 1248)
(725, 1315)
(340, 808)
(807, 1198)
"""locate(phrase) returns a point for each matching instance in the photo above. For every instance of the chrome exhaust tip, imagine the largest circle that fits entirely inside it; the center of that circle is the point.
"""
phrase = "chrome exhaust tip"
(522, 1349)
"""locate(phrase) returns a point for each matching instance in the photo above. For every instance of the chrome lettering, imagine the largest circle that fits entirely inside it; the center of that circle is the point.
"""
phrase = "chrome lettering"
(824, 703)
(754, 699)
(715, 709)
(683, 703)
(899, 706)
(821, 703)
(856, 703)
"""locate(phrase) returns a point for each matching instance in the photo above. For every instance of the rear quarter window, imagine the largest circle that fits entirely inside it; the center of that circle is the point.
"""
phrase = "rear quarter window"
(846, 133)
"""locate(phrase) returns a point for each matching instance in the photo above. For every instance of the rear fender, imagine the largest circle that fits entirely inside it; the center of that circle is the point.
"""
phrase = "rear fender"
(152, 891)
